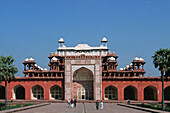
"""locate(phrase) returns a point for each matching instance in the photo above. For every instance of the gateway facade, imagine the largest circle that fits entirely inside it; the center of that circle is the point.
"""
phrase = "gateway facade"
(85, 73)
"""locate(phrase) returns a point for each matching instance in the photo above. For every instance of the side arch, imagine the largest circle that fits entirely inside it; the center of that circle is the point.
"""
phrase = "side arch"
(167, 93)
(37, 92)
(150, 93)
(110, 93)
(19, 92)
(2, 92)
(130, 92)
(56, 92)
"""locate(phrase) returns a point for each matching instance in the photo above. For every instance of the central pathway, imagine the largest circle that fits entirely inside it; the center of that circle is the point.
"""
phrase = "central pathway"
(81, 108)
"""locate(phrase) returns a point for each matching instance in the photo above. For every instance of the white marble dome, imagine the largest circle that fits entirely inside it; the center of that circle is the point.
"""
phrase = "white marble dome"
(141, 59)
(121, 69)
(127, 66)
(31, 59)
(136, 58)
(45, 69)
(104, 39)
(26, 59)
(54, 59)
(111, 58)
(35, 65)
(61, 40)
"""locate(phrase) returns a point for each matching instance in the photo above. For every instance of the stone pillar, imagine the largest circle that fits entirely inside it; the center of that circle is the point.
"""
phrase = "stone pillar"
(140, 94)
(120, 93)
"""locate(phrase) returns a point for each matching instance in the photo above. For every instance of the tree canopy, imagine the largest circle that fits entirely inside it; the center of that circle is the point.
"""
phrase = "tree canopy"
(161, 60)
(7, 69)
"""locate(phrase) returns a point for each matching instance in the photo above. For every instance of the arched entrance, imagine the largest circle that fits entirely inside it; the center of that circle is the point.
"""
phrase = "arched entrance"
(19, 92)
(167, 93)
(130, 92)
(2, 92)
(37, 93)
(150, 93)
(110, 93)
(83, 84)
(56, 92)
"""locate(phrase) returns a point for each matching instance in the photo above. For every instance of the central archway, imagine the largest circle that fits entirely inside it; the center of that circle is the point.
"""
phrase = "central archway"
(83, 84)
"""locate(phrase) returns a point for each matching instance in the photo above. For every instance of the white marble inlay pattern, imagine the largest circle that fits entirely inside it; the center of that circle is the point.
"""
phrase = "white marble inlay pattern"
(75, 67)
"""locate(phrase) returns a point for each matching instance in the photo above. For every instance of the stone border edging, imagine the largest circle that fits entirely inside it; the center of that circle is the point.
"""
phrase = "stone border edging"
(142, 108)
(23, 108)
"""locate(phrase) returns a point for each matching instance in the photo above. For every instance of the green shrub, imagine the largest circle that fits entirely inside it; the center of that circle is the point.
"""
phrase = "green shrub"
(167, 108)
(29, 104)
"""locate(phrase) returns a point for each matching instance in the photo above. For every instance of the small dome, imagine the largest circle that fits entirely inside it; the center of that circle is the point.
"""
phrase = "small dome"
(39, 67)
(109, 52)
(56, 53)
(31, 59)
(114, 52)
(54, 59)
(35, 65)
(45, 69)
(26, 59)
(127, 66)
(131, 64)
(136, 58)
(141, 59)
(121, 69)
(52, 53)
(104, 39)
(111, 58)
(61, 40)
(82, 53)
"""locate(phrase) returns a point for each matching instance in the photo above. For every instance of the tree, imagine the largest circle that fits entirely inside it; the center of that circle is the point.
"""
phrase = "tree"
(161, 60)
(7, 71)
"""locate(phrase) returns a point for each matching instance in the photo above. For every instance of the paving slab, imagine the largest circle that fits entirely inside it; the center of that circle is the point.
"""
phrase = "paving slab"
(82, 108)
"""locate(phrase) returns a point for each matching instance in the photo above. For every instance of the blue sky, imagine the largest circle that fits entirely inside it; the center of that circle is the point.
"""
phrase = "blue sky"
(132, 27)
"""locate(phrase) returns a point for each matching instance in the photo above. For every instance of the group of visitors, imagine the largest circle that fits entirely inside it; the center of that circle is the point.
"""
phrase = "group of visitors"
(70, 103)
(97, 104)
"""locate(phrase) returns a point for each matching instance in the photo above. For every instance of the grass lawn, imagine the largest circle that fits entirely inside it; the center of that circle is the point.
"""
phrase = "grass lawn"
(153, 106)
(14, 106)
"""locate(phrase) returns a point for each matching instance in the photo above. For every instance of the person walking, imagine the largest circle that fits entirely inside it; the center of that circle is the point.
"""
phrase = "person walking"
(97, 104)
(101, 105)
(75, 101)
(69, 102)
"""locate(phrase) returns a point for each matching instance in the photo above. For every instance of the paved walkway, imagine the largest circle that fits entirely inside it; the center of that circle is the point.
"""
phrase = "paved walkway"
(89, 107)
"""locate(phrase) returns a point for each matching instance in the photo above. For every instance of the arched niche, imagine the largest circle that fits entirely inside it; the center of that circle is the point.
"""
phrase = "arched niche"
(110, 93)
(37, 92)
(150, 93)
(56, 92)
(130, 92)
(19, 92)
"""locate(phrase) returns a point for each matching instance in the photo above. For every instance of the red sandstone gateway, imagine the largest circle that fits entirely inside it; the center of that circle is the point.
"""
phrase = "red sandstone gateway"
(85, 73)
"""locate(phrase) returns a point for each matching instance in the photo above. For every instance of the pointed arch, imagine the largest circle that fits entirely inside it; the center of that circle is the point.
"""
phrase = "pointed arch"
(37, 92)
(167, 93)
(130, 92)
(110, 93)
(150, 93)
(2, 92)
(56, 92)
(83, 83)
(82, 74)
(19, 92)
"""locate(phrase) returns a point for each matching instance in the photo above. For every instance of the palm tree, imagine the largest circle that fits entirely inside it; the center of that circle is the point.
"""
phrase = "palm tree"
(161, 60)
(7, 71)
